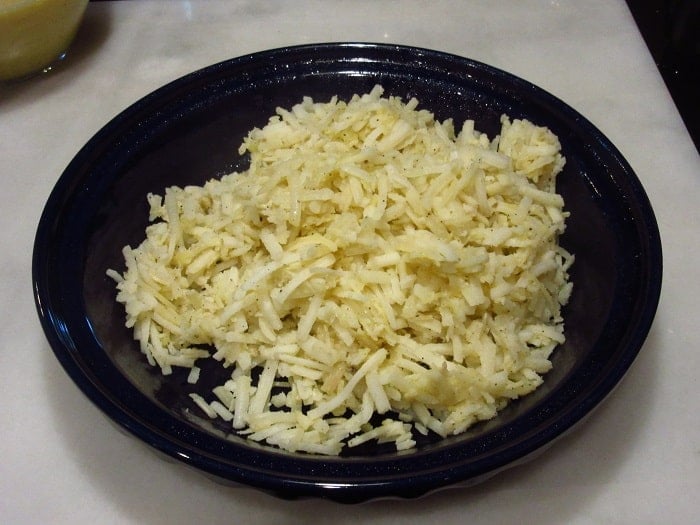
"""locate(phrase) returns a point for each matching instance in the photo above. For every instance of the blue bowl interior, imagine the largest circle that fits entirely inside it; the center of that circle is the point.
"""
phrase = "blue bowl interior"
(189, 131)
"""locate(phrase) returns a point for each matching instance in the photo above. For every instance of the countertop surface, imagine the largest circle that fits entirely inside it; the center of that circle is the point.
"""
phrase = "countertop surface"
(635, 460)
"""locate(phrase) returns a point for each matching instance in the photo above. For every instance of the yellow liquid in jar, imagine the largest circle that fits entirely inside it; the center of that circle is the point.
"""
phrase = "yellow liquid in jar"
(35, 33)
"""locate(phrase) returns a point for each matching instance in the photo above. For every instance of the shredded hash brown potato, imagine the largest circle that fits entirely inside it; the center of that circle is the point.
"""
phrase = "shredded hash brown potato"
(372, 274)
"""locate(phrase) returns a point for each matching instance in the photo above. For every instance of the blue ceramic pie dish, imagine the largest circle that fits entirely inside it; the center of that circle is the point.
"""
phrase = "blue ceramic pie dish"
(189, 131)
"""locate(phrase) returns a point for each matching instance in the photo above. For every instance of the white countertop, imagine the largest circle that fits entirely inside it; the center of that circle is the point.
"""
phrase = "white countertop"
(635, 460)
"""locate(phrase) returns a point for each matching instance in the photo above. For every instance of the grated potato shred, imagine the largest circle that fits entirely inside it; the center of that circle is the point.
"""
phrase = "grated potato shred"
(372, 275)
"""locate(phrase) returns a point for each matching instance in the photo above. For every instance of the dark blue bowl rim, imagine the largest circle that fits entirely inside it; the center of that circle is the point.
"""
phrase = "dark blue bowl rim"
(346, 480)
